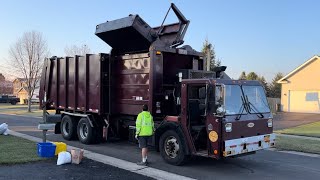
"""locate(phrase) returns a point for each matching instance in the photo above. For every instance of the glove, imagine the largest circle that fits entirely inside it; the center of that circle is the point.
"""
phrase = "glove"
(136, 136)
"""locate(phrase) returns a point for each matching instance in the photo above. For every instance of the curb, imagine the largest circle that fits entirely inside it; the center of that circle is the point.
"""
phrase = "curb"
(297, 136)
(295, 153)
(119, 163)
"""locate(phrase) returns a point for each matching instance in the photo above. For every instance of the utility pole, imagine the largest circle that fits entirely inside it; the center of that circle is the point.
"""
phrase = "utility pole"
(208, 59)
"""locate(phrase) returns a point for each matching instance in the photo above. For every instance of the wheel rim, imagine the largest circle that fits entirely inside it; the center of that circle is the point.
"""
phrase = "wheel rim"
(66, 128)
(171, 147)
(83, 131)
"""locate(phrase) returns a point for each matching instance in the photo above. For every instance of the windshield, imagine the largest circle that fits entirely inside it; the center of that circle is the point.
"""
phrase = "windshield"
(232, 99)
(237, 100)
(257, 99)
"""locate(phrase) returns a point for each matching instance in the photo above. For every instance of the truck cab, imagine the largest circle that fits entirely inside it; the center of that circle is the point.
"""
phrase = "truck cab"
(221, 118)
(226, 117)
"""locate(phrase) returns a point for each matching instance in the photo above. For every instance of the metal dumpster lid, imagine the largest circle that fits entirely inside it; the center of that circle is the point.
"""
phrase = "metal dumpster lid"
(127, 34)
(132, 33)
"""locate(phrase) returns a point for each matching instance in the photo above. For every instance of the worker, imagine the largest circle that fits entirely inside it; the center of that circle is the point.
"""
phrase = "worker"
(144, 131)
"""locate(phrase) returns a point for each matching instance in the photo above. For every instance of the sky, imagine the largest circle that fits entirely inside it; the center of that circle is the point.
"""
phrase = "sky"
(248, 35)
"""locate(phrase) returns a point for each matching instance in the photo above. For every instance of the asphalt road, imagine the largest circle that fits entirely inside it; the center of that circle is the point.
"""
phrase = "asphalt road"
(262, 165)
(49, 170)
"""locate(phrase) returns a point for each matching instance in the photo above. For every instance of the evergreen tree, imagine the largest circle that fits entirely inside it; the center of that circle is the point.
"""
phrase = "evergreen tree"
(252, 76)
(275, 88)
(209, 48)
(265, 85)
(243, 76)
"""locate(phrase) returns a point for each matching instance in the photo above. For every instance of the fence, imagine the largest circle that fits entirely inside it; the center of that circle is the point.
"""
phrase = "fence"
(274, 104)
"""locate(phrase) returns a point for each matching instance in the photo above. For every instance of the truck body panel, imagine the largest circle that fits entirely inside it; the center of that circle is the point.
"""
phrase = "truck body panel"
(77, 83)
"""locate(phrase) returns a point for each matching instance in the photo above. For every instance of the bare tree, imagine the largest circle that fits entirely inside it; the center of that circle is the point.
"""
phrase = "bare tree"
(27, 57)
(77, 50)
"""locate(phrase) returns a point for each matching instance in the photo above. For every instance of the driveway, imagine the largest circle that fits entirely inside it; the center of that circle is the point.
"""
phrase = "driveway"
(285, 120)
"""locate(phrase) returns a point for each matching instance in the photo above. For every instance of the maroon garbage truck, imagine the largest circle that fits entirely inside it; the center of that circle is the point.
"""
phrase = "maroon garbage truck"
(97, 97)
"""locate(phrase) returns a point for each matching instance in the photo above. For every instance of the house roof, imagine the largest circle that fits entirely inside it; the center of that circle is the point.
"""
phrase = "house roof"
(20, 80)
(283, 80)
(22, 88)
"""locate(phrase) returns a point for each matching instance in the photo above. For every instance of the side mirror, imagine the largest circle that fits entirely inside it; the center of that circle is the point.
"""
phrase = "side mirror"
(221, 111)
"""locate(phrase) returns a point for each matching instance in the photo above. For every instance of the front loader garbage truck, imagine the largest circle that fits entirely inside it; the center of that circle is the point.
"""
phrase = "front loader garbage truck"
(97, 97)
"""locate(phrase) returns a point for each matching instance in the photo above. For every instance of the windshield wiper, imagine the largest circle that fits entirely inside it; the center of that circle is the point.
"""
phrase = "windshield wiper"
(252, 107)
(243, 106)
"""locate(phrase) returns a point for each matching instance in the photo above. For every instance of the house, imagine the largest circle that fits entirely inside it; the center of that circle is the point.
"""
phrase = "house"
(300, 89)
(20, 90)
(2, 78)
(6, 87)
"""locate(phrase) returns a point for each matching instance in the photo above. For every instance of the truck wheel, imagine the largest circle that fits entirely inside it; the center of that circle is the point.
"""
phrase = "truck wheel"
(172, 148)
(86, 133)
(13, 102)
(68, 128)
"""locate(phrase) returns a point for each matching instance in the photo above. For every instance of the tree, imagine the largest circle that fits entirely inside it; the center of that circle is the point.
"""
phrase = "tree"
(75, 50)
(208, 51)
(275, 88)
(27, 56)
(243, 76)
(265, 85)
(252, 76)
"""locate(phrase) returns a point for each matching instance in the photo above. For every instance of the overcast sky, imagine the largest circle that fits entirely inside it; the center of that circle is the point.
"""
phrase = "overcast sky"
(249, 35)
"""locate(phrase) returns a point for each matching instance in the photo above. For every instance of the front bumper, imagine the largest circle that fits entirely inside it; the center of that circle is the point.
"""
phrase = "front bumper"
(249, 144)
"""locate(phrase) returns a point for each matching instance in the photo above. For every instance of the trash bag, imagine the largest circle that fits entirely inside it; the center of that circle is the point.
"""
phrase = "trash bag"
(64, 158)
(4, 129)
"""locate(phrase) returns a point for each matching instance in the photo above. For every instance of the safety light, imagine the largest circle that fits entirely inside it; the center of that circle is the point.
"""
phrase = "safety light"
(269, 122)
(158, 52)
(228, 127)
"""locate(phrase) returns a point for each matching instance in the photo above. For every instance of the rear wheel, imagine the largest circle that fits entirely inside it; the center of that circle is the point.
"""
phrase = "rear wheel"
(13, 102)
(172, 148)
(68, 128)
(85, 132)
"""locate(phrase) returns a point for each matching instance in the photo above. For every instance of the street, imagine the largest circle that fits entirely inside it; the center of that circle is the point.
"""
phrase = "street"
(262, 165)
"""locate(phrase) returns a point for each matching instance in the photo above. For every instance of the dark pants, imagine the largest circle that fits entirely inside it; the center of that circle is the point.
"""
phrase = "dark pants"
(143, 141)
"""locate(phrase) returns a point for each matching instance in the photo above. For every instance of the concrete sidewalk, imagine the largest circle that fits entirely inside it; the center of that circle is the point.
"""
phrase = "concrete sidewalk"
(300, 137)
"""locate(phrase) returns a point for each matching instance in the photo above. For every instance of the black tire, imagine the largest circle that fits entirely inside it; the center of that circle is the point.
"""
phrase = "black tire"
(68, 128)
(13, 102)
(167, 145)
(86, 133)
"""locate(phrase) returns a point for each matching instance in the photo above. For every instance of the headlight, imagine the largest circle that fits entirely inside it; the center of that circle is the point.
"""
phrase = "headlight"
(269, 122)
(228, 127)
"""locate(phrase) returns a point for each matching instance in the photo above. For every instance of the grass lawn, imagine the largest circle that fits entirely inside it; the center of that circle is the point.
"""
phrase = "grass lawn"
(298, 144)
(8, 105)
(15, 150)
(24, 112)
(33, 113)
(312, 130)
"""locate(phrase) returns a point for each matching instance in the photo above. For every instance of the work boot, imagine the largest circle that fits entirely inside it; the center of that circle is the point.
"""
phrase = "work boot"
(141, 163)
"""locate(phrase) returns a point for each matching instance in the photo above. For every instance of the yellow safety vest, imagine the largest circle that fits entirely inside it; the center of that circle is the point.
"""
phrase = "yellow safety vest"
(144, 124)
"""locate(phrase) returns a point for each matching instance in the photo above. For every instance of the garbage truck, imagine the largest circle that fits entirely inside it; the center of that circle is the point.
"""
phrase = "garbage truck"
(196, 112)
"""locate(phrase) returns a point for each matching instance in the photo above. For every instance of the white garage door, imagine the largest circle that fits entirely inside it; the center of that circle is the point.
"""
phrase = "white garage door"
(304, 101)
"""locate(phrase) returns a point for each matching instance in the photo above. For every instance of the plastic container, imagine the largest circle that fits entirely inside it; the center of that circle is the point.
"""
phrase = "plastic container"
(46, 149)
(60, 147)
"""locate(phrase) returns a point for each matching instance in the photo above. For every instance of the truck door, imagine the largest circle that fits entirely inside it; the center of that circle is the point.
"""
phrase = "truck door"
(213, 123)
(196, 115)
